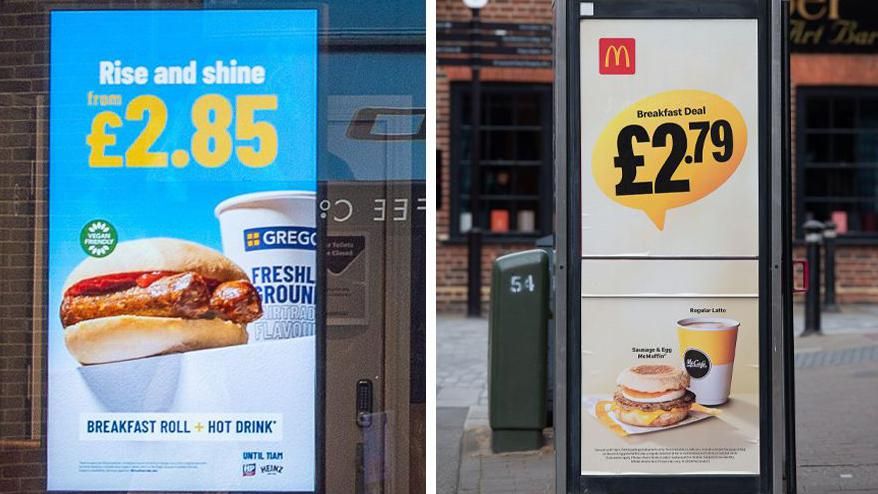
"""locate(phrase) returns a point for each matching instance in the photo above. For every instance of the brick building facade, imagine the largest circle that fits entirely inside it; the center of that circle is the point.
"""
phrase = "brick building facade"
(451, 252)
(857, 256)
(24, 73)
(834, 93)
(835, 73)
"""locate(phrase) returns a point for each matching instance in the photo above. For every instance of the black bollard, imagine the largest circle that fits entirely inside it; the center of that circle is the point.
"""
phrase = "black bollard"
(474, 272)
(813, 238)
(829, 237)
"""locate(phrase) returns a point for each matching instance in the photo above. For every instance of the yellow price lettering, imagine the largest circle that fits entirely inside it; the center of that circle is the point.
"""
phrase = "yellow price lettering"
(138, 154)
(246, 128)
(211, 143)
(98, 140)
(211, 130)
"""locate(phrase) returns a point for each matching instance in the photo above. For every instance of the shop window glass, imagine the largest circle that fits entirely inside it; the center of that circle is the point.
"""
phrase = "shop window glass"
(515, 160)
(838, 158)
(370, 159)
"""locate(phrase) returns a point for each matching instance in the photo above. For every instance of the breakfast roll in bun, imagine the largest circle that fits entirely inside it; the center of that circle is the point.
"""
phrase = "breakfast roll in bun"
(155, 296)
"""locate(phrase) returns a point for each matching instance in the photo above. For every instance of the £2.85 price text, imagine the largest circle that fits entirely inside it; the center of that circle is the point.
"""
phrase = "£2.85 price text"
(220, 128)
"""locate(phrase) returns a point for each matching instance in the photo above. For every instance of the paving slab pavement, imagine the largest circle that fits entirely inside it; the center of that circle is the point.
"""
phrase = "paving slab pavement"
(483, 471)
(851, 319)
(465, 462)
(449, 435)
(836, 414)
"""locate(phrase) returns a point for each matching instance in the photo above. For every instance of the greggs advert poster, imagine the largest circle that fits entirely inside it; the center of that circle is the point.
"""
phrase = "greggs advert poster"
(182, 250)
(670, 247)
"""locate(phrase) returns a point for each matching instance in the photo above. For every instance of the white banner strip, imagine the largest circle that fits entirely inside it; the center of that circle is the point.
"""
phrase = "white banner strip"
(181, 427)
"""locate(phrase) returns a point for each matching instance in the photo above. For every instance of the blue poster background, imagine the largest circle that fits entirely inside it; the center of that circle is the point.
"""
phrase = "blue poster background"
(170, 201)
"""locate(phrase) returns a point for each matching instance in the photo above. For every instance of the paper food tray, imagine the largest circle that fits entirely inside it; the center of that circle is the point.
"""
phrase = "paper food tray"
(589, 402)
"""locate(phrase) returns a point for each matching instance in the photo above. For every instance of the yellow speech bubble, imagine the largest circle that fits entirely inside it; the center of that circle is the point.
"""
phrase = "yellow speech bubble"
(669, 150)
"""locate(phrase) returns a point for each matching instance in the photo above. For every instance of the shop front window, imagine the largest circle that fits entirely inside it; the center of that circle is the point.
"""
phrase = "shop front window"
(837, 153)
(212, 247)
(515, 160)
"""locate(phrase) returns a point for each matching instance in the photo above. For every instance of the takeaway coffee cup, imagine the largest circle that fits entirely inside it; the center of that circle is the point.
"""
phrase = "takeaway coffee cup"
(707, 346)
(273, 237)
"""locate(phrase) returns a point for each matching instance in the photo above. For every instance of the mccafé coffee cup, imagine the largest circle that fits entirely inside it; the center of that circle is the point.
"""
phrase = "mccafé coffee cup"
(707, 346)
(272, 236)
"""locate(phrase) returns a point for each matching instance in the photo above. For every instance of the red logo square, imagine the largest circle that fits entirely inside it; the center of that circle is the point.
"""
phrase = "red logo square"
(617, 56)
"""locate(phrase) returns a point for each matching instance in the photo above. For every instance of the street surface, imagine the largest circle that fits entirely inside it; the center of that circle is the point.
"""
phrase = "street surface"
(837, 411)
(464, 460)
(837, 403)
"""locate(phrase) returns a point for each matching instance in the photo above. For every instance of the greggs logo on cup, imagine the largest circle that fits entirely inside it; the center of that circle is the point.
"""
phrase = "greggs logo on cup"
(708, 348)
(280, 237)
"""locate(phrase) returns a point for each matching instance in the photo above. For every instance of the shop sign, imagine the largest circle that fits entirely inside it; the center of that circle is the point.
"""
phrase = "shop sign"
(834, 26)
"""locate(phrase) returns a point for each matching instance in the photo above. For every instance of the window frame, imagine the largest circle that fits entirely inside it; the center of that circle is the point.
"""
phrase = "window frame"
(802, 131)
(459, 90)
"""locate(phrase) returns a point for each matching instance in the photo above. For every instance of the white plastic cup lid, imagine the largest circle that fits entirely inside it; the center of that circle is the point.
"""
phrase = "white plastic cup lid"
(257, 198)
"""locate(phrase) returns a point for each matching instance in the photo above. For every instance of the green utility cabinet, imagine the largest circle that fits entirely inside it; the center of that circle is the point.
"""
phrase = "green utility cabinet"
(517, 350)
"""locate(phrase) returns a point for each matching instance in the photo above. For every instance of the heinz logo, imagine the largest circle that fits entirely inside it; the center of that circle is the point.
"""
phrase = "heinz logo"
(280, 237)
(617, 56)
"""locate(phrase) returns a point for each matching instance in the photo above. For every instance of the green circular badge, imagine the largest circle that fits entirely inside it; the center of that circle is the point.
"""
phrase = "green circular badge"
(98, 238)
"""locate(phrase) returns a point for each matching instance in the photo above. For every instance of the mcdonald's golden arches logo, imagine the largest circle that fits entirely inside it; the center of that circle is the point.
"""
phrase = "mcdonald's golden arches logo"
(617, 56)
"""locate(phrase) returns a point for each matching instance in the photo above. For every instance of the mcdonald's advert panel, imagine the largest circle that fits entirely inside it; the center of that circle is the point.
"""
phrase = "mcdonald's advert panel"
(670, 137)
(670, 385)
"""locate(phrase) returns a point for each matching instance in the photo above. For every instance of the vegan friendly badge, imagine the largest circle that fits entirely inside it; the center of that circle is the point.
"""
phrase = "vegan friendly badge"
(669, 150)
(98, 238)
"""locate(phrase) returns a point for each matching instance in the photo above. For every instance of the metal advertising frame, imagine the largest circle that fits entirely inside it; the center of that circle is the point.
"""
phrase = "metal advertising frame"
(776, 417)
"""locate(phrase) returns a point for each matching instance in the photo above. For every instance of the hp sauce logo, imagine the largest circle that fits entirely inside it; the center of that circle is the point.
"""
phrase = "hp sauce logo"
(280, 237)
